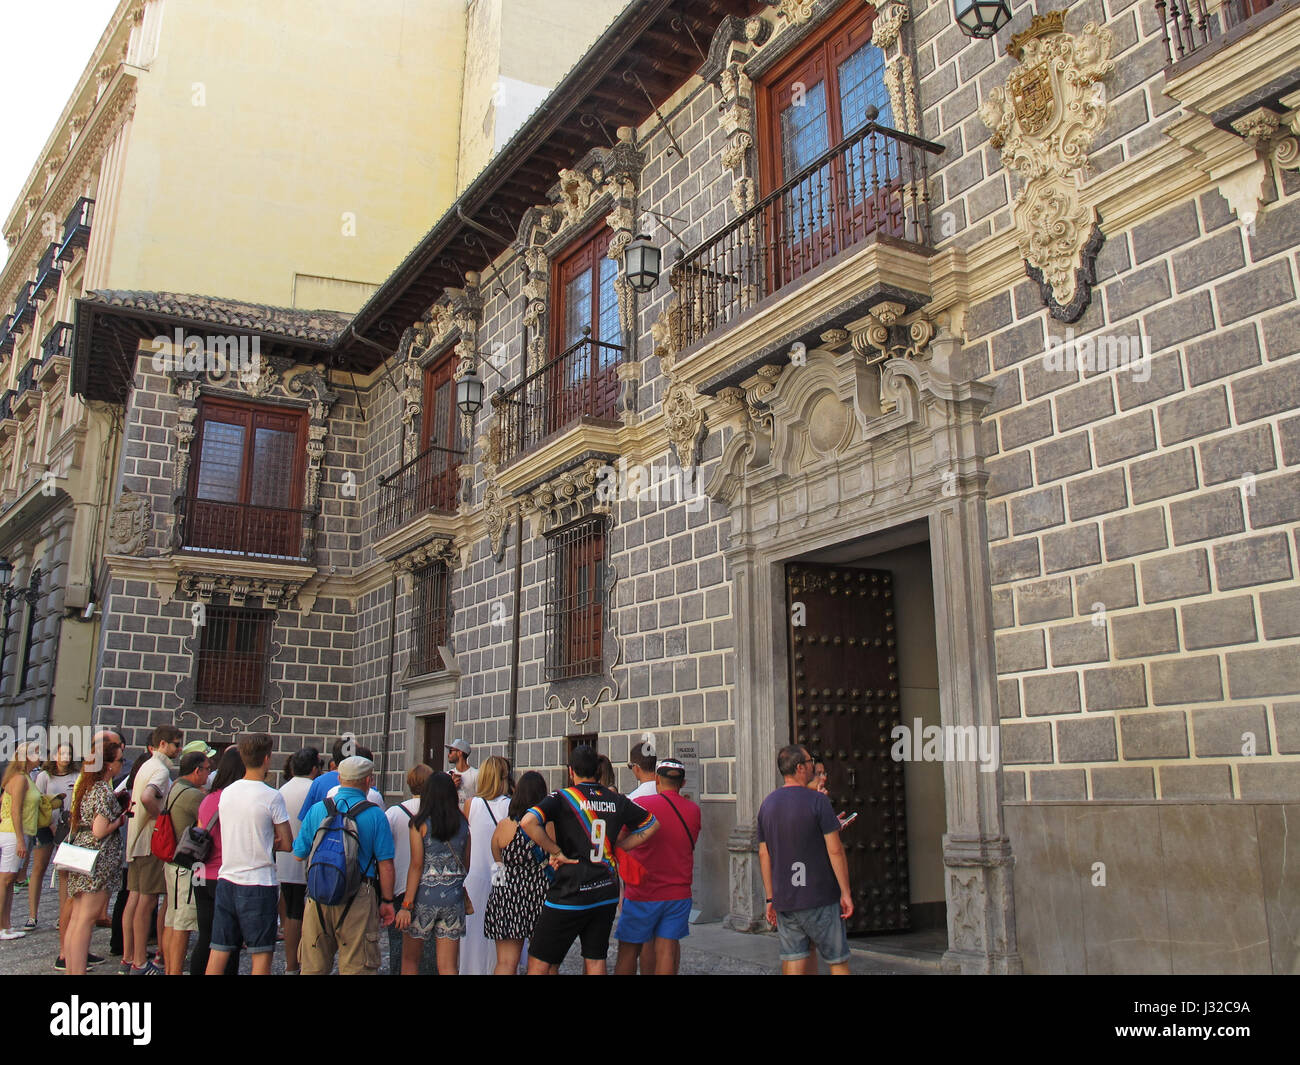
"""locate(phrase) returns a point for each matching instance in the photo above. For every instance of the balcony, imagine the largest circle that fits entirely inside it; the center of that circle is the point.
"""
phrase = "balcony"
(56, 352)
(874, 183)
(1189, 27)
(580, 384)
(24, 307)
(48, 274)
(7, 405)
(6, 334)
(242, 529)
(429, 483)
(76, 228)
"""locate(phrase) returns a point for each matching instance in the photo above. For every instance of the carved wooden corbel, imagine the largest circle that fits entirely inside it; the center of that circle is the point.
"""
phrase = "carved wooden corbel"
(1043, 123)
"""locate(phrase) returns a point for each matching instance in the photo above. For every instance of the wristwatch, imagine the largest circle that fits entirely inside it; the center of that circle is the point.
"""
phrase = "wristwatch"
(386, 902)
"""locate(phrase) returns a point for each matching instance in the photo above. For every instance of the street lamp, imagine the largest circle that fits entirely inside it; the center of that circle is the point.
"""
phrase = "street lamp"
(981, 19)
(641, 263)
(469, 393)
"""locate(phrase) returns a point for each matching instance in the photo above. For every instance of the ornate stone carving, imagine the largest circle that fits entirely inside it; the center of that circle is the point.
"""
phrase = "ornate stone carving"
(1043, 122)
(567, 496)
(795, 12)
(886, 337)
(578, 715)
(237, 590)
(439, 549)
(888, 22)
(130, 524)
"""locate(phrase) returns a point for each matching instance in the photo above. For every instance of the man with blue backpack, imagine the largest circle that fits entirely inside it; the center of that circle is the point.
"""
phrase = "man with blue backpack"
(348, 848)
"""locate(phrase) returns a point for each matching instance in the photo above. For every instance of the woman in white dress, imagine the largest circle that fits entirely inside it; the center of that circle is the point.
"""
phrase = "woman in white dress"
(491, 802)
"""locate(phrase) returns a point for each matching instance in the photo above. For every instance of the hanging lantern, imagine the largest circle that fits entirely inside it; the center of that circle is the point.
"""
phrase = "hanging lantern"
(641, 262)
(981, 18)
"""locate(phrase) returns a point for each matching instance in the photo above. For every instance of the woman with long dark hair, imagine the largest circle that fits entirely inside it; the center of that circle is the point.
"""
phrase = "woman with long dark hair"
(436, 901)
(204, 878)
(95, 823)
(518, 877)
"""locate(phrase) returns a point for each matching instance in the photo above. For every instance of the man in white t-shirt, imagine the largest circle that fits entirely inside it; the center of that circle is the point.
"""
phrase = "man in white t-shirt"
(305, 767)
(643, 768)
(463, 774)
(145, 879)
(399, 822)
(254, 825)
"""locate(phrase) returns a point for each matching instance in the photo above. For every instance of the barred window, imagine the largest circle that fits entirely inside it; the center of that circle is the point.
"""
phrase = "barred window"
(575, 600)
(432, 617)
(234, 648)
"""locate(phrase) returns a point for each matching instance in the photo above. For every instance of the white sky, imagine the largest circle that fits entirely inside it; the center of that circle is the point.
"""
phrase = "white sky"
(48, 44)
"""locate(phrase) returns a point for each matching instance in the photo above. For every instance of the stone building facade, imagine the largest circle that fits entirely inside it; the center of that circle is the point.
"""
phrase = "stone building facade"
(998, 442)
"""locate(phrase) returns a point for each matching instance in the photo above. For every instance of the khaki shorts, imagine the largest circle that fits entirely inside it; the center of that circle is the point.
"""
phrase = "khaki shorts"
(182, 911)
(355, 938)
(145, 875)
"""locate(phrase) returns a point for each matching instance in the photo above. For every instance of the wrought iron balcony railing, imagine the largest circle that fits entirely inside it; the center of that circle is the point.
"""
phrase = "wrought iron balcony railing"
(243, 529)
(24, 307)
(7, 404)
(27, 377)
(6, 334)
(582, 381)
(58, 341)
(48, 273)
(874, 182)
(76, 227)
(429, 482)
(1187, 26)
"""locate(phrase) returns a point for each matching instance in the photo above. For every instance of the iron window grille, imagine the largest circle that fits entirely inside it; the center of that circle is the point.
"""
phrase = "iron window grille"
(233, 654)
(431, 618)
(575, 600)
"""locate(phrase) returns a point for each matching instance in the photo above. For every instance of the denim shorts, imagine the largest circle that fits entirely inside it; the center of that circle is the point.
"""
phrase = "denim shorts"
(245, 913)
(822, 925)
(641, 922)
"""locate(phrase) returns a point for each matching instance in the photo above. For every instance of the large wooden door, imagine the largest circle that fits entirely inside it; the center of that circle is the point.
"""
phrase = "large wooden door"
(434, 739)
(438, 477)
(844, 704)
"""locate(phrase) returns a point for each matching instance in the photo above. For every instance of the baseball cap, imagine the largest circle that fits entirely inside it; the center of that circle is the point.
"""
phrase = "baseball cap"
(355, 768)
(670, 767)
(200, 746)
(459, 745)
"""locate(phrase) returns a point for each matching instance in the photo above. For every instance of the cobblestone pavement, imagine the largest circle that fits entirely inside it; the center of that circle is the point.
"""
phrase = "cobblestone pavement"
(710, 949)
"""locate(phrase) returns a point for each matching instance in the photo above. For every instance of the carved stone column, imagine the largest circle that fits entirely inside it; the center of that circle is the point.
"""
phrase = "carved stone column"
(900, 78)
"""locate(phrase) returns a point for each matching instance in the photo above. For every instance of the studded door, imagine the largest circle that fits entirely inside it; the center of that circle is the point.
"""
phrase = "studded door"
(844, 694)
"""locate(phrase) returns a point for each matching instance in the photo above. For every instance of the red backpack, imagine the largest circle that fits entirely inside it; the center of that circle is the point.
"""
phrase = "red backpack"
(162, 844)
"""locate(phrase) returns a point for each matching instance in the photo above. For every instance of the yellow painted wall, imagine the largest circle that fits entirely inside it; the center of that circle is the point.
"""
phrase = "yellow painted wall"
(519, 51)
(256, 137)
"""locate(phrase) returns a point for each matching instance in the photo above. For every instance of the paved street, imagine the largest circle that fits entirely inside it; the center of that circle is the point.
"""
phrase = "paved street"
(710, 949)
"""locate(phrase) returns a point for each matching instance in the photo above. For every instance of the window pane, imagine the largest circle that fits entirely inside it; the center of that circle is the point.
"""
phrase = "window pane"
(273, 461)
(862, 85)
(608, 328)
(221, 461)
(577, 308)
(804, 131)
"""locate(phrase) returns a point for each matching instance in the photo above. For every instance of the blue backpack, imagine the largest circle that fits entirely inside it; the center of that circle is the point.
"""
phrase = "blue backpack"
(333, 869)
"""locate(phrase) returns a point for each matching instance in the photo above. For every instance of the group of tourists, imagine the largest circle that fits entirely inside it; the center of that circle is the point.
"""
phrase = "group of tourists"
(475, 873)
(472, 874)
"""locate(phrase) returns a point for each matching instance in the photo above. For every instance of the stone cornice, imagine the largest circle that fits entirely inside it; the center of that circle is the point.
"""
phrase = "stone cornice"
(114, 107)
(559, 454)
(417, 531)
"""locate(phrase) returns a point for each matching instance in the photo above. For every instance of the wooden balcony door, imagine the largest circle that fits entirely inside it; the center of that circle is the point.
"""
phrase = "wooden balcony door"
(586, 381)
(438, 476)
(815, 101)
(247, 484)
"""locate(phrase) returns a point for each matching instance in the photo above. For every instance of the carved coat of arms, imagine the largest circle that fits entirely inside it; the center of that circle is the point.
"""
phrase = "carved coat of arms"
(129, 524)
(1032, 97)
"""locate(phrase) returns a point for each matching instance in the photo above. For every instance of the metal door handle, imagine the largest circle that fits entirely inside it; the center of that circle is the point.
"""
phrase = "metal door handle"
(853, 779)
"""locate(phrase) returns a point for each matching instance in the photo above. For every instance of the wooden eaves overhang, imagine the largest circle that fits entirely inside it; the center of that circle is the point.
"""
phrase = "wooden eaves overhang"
(661, 42)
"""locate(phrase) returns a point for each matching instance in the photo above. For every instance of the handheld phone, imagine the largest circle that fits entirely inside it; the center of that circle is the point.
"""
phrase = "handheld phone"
(846, 821)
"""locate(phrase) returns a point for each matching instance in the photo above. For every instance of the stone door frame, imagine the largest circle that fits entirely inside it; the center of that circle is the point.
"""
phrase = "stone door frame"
(794, 488)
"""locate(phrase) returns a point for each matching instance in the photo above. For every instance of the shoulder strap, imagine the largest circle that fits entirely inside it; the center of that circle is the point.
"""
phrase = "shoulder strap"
(673, 806)
(490, 813)
(174, 794)
(352, 811)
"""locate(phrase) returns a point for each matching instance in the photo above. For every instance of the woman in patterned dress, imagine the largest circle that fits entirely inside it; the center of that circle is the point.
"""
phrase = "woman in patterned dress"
(436, 900)
(518, 878)
(95, 820)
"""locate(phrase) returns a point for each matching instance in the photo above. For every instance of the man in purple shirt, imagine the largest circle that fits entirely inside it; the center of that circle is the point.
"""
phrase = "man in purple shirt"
(805, 873)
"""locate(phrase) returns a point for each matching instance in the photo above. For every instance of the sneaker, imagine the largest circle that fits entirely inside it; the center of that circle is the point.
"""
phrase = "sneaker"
(31, 924)
(60, 965)
(21, 883)
(150, 969)
(12, 933)
(124, 969)
(93, 959)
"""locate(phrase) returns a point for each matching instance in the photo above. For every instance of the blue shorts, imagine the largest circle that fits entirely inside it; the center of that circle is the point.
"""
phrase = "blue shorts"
(822, 925)
(644, 921)
(245, 913)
